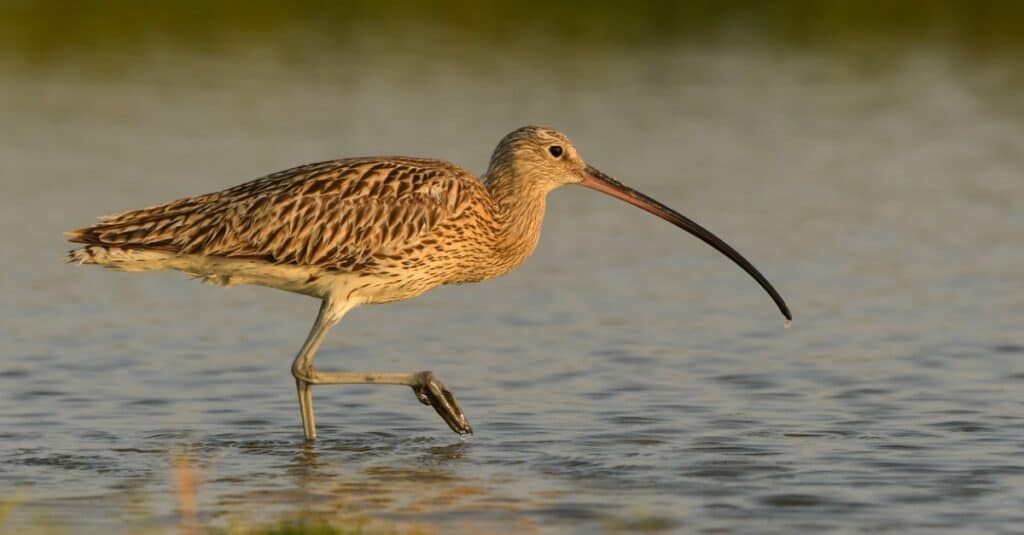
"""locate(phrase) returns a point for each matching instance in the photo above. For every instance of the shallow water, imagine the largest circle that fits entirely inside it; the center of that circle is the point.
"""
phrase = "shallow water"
(627, 377)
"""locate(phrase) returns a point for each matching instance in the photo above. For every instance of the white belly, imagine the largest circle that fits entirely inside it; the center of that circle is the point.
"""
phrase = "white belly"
(223, 271)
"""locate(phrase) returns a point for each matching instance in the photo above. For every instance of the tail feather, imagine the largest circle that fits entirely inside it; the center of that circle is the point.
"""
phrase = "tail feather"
(137, 240)
(155, 227)
(119, 258)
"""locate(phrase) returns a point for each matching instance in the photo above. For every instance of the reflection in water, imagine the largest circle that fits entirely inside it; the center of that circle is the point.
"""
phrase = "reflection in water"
(322, 479)
(624, 378)
(306, 469)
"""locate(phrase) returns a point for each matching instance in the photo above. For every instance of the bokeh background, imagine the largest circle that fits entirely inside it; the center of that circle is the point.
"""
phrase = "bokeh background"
(867, 156)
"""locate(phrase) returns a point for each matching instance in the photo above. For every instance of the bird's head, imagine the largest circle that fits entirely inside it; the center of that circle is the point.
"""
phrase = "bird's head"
(542, 159)
(537, 158)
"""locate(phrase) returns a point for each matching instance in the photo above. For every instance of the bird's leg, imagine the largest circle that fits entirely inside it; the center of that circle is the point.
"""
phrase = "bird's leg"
(428, 389)
(330, 314)
(306, 408)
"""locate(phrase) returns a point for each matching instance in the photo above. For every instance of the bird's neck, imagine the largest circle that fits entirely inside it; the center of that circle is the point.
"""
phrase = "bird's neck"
(519, 213)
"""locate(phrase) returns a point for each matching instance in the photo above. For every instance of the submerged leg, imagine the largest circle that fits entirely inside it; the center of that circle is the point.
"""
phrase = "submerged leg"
(306, 408)
(330, 314)
(428, 389)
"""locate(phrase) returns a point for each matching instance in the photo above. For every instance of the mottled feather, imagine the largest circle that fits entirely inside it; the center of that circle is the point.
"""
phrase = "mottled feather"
(350, 214)
(372, 230)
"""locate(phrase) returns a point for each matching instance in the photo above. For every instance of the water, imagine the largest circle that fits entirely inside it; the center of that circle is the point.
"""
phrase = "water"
(627, 377)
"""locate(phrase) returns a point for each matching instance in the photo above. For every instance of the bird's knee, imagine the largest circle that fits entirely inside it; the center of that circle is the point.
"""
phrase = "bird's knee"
(306, 375)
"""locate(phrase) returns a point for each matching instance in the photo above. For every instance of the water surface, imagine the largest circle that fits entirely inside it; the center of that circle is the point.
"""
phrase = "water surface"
(626, 377)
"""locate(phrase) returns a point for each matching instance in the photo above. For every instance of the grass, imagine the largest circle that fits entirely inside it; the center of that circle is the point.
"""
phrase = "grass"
(294, 526)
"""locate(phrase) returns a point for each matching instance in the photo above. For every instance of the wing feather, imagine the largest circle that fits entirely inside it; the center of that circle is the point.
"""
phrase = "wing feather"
(342, 214)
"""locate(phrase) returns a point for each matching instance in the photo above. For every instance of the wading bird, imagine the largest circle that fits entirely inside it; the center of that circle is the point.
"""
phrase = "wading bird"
(368, 230)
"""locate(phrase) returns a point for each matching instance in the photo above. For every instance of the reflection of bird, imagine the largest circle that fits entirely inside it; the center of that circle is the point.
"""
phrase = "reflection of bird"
(367, 230)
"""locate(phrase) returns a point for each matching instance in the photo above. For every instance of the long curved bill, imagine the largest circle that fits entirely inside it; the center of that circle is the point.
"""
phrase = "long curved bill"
(595, 179)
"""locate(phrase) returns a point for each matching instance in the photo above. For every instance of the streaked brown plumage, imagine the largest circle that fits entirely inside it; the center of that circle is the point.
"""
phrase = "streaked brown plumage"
(379, 217)
(365, 230)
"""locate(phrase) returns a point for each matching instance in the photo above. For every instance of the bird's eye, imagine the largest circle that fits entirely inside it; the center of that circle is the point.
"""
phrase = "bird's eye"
(555, 150)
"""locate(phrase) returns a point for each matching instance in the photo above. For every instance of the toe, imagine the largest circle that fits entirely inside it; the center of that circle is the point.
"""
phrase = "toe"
(443, 401)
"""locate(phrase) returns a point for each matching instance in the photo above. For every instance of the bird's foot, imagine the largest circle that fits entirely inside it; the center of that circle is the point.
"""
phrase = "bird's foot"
(431, 391)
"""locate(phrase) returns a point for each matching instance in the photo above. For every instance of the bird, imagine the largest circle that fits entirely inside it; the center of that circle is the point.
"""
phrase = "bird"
(370, 230)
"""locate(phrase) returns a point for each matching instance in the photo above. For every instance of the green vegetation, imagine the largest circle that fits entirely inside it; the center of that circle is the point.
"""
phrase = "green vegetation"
(49, 31)
(317, 526)
(306, 529)
(291, 524)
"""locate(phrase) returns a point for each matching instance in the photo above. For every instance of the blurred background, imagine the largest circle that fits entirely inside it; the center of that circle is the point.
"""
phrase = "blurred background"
(867, 156)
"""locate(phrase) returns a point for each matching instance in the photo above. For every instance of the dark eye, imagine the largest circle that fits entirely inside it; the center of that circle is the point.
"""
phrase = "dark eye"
(555, 150)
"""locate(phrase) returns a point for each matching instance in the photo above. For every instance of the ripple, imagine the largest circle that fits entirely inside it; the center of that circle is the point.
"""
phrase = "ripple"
(747, 380)
(734, 449)
(733, 469)
(963, 426)
(148, 402)
(43, 393)
(793, 500)
(601, 395)
(631, 420)
(861, 392)
(903, 446)
(572, 511)
(251, 422)
(67, 461)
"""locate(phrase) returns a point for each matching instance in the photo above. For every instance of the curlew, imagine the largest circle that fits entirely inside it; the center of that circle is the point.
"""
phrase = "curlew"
(362, 231)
